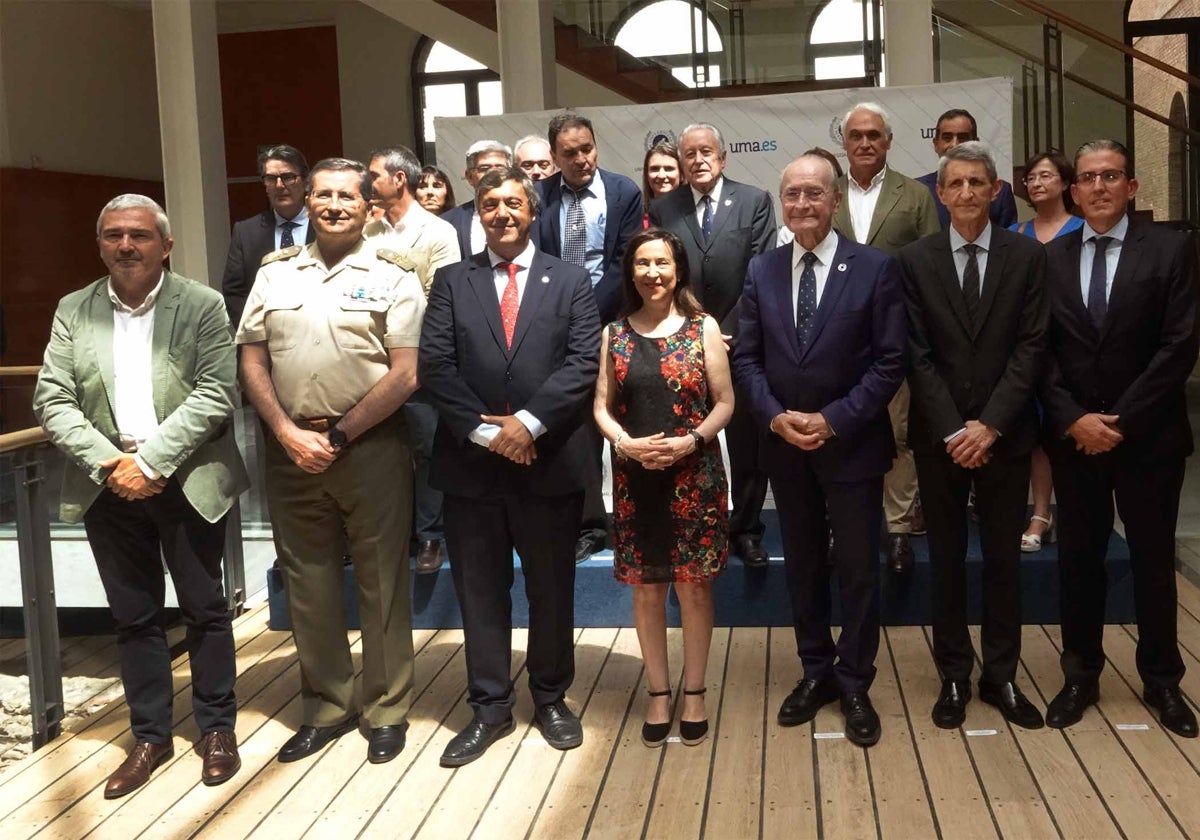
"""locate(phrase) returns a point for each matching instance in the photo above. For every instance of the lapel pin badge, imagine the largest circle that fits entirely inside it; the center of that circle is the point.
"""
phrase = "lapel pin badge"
(728, 202)
(841, 266)
(545, 279)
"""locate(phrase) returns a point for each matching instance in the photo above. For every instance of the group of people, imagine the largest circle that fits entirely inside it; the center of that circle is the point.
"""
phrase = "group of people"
(452, 373)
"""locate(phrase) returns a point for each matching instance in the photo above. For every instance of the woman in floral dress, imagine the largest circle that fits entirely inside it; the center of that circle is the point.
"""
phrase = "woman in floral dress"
(663, 394)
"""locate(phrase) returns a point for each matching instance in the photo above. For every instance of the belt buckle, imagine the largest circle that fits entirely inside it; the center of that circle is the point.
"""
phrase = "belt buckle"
(321, 424)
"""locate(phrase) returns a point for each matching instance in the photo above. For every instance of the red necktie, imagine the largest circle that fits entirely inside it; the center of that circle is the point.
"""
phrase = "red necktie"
(509, 303)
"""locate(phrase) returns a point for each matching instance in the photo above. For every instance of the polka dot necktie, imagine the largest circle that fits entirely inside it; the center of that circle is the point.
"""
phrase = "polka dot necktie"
(285, 238)
(970, 285)
(575, 236)
(509, 304)
(707, 219)
(806, 300)
(1097, 299)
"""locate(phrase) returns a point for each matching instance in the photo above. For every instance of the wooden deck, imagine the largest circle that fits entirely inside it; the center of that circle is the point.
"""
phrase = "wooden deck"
(1117, 774)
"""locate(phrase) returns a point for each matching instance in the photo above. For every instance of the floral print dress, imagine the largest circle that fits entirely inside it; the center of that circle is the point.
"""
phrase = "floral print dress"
(668, 525)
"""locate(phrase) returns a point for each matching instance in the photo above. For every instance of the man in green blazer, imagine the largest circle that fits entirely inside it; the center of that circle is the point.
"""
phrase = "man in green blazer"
(886, 210)
(137, 389)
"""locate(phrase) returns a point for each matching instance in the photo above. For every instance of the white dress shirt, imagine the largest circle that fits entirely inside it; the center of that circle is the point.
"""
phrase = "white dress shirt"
(484, 433)
(984, 241)
(824, 251)
(299, 233)
(715, 194)
(478, 237)
(133, 375)
(861, 203)
(1112, 255)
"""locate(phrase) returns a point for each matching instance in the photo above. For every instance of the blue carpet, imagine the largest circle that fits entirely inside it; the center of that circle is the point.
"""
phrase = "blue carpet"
(754, 597)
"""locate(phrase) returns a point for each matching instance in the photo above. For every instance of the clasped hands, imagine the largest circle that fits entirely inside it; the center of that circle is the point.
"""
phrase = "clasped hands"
(128, 481)
(1096, 433)
(657, 451)
(513, 441)
(972, 448)
(801, 429)
(310, 451)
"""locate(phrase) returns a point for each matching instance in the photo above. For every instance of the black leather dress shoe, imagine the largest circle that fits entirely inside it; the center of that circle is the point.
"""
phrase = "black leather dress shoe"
(558, 725)
(1016, 709)
(805, 701)
(751, 551)
(385, 743)
(1173, 711)
(950, 710)
(1068, 706)
(862, 723)
(900, 554)
(429, 557)
(311, 739)
(585, 547)
(474, 741)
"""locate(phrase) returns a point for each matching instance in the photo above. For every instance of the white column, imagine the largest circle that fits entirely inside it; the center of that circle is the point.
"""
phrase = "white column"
(525, 32)
(193, 136)
(908, 42)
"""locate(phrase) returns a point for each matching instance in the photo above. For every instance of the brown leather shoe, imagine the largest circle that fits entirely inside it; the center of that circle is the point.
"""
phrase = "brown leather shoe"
(135, 770)
(429, 557)
(221, 760)
(900, 554)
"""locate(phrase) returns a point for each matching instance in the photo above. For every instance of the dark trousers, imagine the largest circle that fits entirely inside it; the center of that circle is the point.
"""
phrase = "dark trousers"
(747, 479)
(802, 498)
(481, 534)
(595, 519)
(1147, 497)
(1001, 487)
(422, 419)
(129, 540)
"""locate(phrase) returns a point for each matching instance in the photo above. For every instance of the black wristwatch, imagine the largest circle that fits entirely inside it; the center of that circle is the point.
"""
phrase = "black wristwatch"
(699, 438)
(337, 439)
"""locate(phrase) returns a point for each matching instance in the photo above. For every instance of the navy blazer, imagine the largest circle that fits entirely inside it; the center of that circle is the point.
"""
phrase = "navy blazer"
(623, 220)
(1137, 365)
(251, 240)
(744, 225)
(466, 367)
(1003, 210)
(461, 217)
(851, 369)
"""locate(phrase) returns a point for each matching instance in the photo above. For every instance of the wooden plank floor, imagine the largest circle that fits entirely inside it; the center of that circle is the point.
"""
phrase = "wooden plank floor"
(1117, 774)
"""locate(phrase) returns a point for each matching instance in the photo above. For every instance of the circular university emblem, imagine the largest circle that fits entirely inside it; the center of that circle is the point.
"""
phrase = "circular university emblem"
(658, 135)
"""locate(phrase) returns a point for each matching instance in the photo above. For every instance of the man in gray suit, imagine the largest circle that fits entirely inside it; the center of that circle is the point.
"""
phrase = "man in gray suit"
(723, 223)
(137, 390)
(886, 210)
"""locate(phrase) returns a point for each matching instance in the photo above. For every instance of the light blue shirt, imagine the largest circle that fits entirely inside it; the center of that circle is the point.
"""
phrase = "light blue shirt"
(299, 233)
(984, 241)
(1112, 255)
(595, 209)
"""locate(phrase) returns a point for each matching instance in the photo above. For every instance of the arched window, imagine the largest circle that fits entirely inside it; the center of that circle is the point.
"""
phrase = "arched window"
(447, 83)
(669, 31)
(836, 40)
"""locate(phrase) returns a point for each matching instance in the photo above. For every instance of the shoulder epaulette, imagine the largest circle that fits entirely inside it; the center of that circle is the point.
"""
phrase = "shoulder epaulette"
(388, 255)
(282, 254)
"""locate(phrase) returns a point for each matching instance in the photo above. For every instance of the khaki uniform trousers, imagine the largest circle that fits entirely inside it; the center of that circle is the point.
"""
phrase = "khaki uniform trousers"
(368, 492)
(900, 483)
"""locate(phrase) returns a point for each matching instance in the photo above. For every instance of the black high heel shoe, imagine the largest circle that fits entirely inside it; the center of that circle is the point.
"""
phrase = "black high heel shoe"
(693, 732)
(655, 734)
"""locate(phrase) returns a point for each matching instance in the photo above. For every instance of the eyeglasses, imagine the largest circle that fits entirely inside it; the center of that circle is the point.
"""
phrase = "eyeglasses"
(1109, 176)
(288, 178)
(486, 168)
(813, 196)
(1038, 177)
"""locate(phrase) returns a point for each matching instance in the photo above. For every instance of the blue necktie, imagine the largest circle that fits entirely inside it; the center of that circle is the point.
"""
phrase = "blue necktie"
(806, 301)
(1097, 301)
(285, 238)
(707, 219)
(574, 241)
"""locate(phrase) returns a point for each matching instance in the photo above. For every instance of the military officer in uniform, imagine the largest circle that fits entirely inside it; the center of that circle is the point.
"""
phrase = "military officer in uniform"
(329, 354)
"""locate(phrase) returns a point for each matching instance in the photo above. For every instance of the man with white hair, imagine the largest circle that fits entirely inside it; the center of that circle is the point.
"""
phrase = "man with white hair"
(138, 389)
(482, 157)
(886, 210)
(533, 155)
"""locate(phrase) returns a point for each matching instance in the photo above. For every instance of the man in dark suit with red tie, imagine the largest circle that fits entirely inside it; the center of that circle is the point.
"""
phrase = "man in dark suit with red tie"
(282, 170)
(820, 355)
(1123, 341)
(509, 354)
(977, 338)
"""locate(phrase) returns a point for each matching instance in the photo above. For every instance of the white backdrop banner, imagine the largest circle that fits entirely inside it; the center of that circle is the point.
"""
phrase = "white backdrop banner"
(762, 133)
